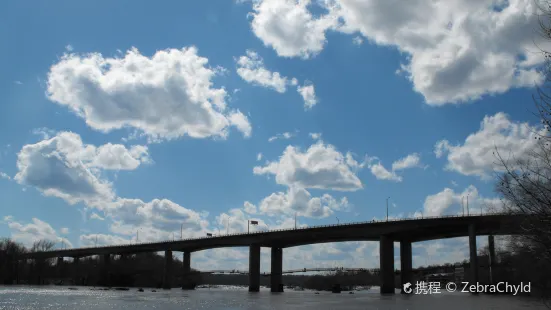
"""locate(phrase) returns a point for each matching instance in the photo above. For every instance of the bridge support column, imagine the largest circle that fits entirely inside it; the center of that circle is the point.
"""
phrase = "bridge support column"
(59, 267)
(76, 277)
(386, 257)
(277, 270)
(105, 276)
(492, 250)
(167, 277)
(187, 281)
(254, 268)
(405, 263)
(473, 255)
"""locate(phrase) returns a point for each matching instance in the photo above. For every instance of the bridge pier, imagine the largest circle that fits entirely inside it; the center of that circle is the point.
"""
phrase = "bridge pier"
(405, 263)
(473, 255)
(187, 281)
(105, 277)
(254, 268)
(59, 266)
(276, 277)
(76, 262)
(492, 250)
(167, 277)
(386, 258)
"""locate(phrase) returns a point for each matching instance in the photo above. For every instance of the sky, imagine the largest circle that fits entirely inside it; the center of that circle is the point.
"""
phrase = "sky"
(132, 121)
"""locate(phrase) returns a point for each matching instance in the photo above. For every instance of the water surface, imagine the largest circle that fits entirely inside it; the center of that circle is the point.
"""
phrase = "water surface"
(60, 298)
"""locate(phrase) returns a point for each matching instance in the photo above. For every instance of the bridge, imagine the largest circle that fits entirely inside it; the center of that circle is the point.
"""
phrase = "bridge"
(404, 231)
(291, 271)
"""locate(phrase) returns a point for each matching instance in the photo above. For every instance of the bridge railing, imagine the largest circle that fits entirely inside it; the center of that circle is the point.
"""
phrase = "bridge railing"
(374, 221)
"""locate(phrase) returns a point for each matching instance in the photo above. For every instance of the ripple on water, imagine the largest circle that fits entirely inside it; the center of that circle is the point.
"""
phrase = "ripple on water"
(236, 298)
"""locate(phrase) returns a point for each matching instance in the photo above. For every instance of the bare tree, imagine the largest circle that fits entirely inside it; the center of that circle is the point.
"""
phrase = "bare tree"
(525, 181)
(42, 245)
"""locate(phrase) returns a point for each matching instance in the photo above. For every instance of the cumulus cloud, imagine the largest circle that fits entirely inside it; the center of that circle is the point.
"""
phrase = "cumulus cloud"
(158, 218)
(299, 201)
(65, 167)
(381, 173)
(320, 167)
(289, 28)
(91, 240)
(62, 167)
(442, 203)
(308, 95)
(31, 232)
(466, 50)
(249, 208)
(251, 69)
(165, 96)
(476, 155)
(259, 157)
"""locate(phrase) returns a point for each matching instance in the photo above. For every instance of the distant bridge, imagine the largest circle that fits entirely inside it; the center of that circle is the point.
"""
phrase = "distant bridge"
(329, 269)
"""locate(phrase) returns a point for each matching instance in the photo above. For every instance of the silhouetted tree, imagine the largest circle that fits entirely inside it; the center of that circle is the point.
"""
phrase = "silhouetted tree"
(525, 183)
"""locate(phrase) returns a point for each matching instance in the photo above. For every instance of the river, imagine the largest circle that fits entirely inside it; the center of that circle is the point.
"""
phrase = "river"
(60, 298)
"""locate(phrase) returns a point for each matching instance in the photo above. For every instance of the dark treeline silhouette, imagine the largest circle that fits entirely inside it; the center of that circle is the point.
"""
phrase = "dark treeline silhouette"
(142, 270)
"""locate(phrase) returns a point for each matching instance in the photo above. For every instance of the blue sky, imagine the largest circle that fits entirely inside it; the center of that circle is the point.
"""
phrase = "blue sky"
(175, 116)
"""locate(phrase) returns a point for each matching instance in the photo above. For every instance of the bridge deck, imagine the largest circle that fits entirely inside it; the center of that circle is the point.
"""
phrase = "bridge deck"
(418, 229)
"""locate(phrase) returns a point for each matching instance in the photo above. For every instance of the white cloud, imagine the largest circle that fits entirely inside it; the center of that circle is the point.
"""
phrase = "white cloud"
(315, 135)
(381, 173)
(285, 136)
(166, 96)
(95, 216)
(3, 175)
(358, 40)
(249, 208)
(321, 167)
(62, 167)
(259, 157)
(45, 133)
(289, 28)
(65, 167)
(91, 240)
(476, 155)
(69, 48)
(241, 122)
(441, 203)
(34, 231)
(251, 69)
(308, 95)
(18, 82)
(64, 230)
(410, 161)
(158, 219)
(300, 201)
(467, 49)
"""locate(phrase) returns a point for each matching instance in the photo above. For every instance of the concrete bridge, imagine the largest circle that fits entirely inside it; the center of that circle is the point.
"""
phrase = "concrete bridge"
(386, 233)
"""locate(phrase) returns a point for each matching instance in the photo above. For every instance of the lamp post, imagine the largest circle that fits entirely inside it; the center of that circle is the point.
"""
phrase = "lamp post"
(295, 220)
(387, 208)
(337, 220)
(468, 204)
(182, 231)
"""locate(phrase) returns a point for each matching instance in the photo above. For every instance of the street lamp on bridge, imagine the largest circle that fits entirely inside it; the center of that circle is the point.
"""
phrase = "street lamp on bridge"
(387, 208)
